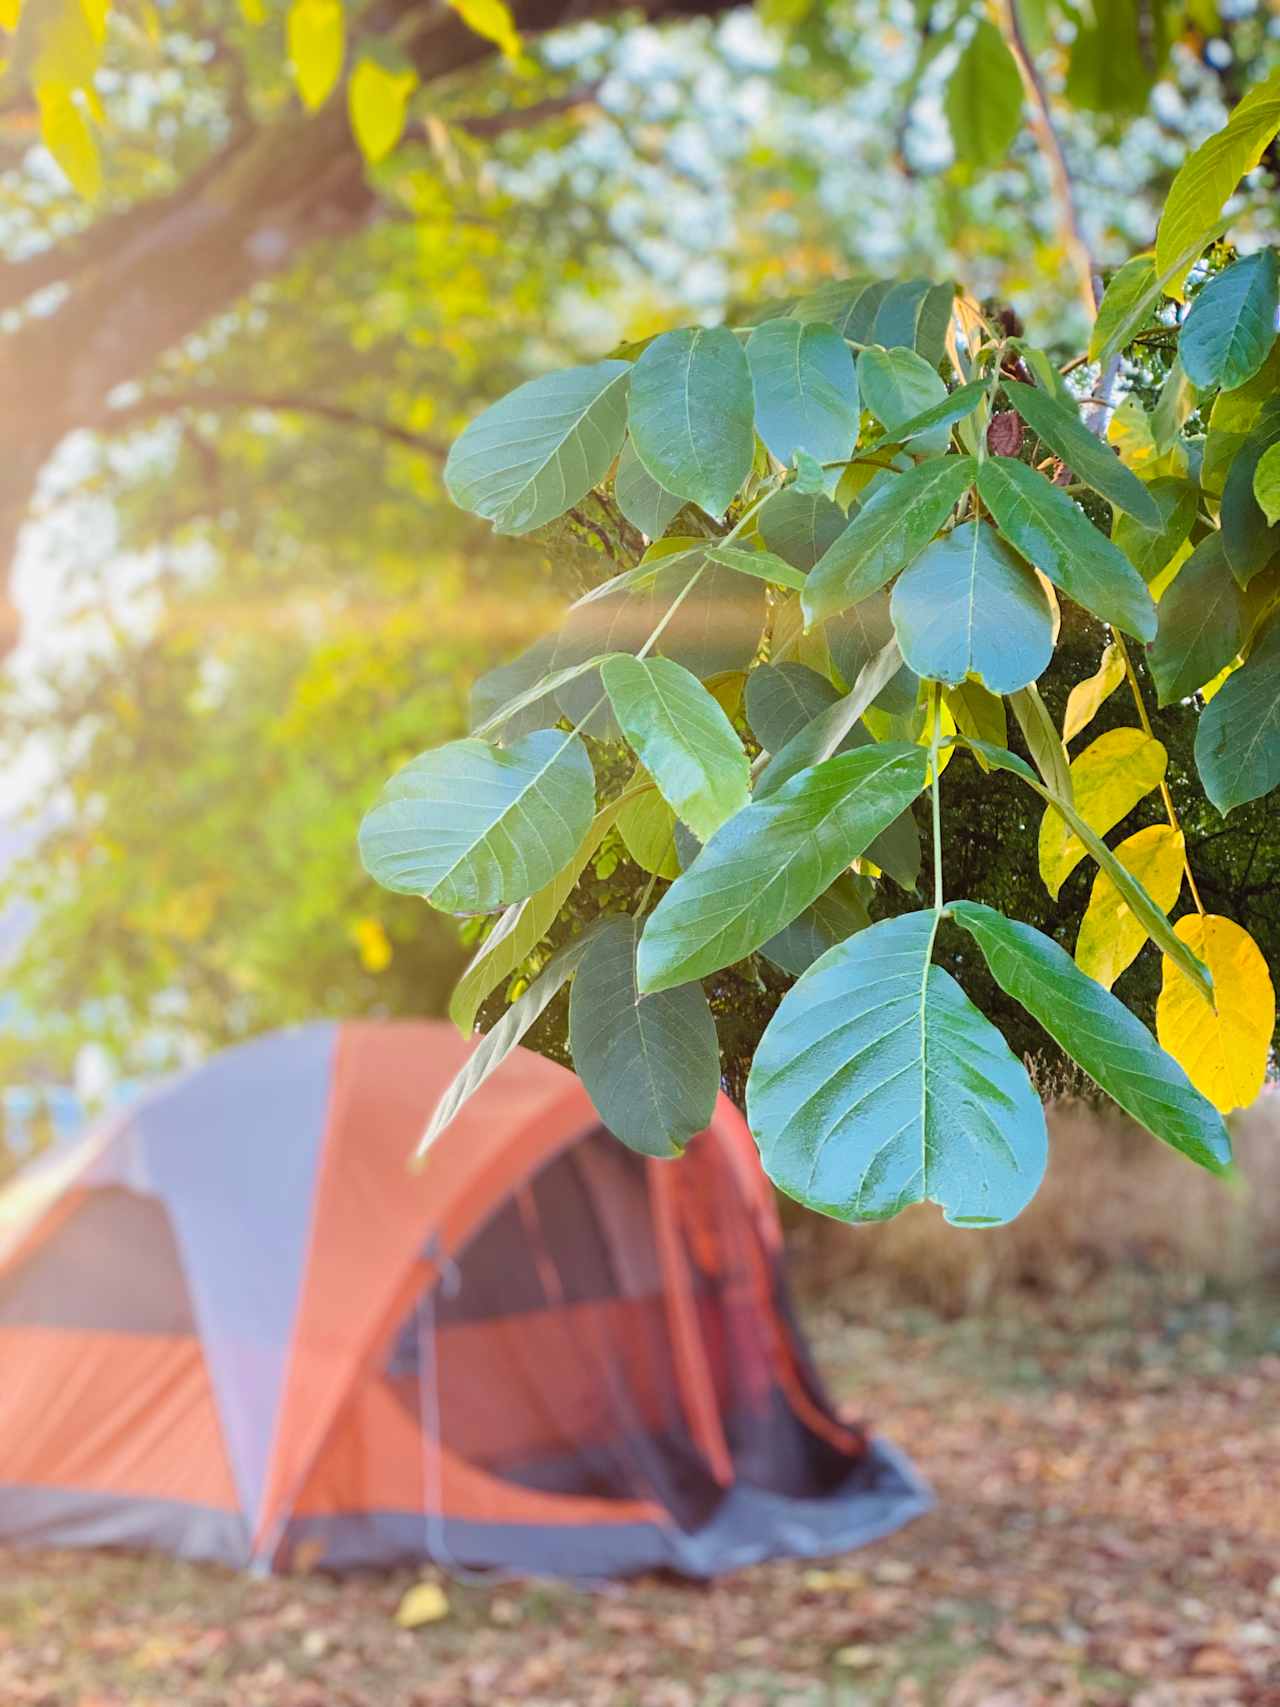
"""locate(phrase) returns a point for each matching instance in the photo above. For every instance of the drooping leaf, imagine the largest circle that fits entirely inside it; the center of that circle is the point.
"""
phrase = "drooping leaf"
(764, 565)
(472, 828)
(1111, 934)
(983, 99)
(316, 33)
(497, 1043)
(979, 713)
(1086, 698)
(533, 454)
(878, 1084)
(1266, 484)
(800, 526)
(691, 415)
(1052, 532)
(806, 389)
(1224, 1045)
(897, 386)
(378, 95)
(819, 739)
(1125, 306)
(1061, 428)
(1150, 549)
(889, 532)
(914, 314)
(681, 737)
(641, 500)
(970, 606)
(1108, 780)
(647, 828)
(524, 924)
(650, 1064)
(1044, 743)
(1238, 737)
(775, 857)
(830, 919)
(1193, 207)
(1232, 324)
(1099, 1032)
(1201, 624)
(1116, 56)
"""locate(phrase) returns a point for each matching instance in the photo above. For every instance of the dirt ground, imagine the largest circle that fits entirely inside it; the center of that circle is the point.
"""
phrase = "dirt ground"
(1107, 1531)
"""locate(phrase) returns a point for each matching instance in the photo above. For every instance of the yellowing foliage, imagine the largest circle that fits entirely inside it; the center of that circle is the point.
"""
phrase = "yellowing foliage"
(492, 20)
(1110, 935)
(316, 32)
(1222, 1048)
(1109, 778)
(378, 99)
(1086, 697)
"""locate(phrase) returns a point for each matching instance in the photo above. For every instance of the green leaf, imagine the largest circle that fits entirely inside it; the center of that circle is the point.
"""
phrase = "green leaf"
(956, 406)
(878, 1084)
(1050, 531)
(650, 1064)
(915, 315)
(983, 100)
(1172, 409)
(1061, 428)
(806, 389)
(819, 739)
(647, 828)
(497, 1043)
(1045, 745)
(1151, 549)
(1248, 540)
(497, 689)
(831, 919)
(767, 864)
(1266, 484)
(316, 33)
(536, 694)
(800, 526)
(898, 386)
(524, 924)
(764, 565)
(1198, 194)
(641, 500)
(1098, 1032)
(1108, 780)
(783, 699)
(1135, 896)
(692, 415)
(1201, 624)
(1125, 307)
(681, 737)
(1238, 738)
(969, 605)
(889, 532)
(537, 451)
(472, 827)
(977, 712)
(850, 305)
(1115, 57)
(1232, 324)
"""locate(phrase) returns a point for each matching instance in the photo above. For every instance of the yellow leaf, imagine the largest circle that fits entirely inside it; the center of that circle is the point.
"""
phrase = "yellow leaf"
(1164, 578)
(10, 12)
(1109, 778)
(1086, 697)
(979, 714)
(254, 12)
(1211, 687)
(95, 12)
(373, 944)
(1131, 433)
(492, 20)
(726, 689)
(647, 826)
(67, 135)
(1110, 935)
(1223, 1047)
(424, 1603)
(791, 643)
(946, 728)
(316, 31)
(378, 100)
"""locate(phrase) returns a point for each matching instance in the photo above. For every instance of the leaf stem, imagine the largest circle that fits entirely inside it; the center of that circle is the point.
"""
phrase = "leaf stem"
(935, 729)
(1166, 797)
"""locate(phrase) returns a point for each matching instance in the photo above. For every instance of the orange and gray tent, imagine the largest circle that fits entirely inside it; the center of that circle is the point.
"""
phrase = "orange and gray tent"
(235, 1326)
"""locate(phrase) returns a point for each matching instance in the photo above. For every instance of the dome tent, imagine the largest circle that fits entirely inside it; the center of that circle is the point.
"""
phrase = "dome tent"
(235, 1327)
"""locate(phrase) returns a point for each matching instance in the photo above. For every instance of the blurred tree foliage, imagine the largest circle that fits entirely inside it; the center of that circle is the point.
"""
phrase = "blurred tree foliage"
(234, 355)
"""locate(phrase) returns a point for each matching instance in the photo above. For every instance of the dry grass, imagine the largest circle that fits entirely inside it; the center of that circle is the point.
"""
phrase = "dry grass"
(1113, 1198)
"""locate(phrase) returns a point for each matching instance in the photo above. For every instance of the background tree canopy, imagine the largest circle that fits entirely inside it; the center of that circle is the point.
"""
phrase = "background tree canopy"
(242, 327)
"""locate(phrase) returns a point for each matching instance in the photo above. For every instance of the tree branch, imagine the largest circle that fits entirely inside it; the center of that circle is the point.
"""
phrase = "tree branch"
(218, 399)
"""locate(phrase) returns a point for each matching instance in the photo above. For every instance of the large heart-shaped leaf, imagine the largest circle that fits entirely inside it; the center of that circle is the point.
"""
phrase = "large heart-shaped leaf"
(681, 737)
(777, 855)
(878, 1084)
(1232, 324)
(692, 415)
(650, 1064)
(1061, 428)
(1238, 737)
(806, 389)
(1201, 624)
(473, 828)
(1097, 1031)
(890, 530)
(1056, 535)
(969, 605)
(540, 449)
